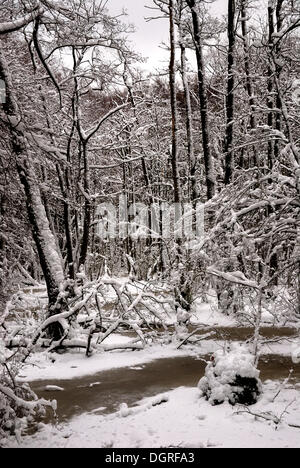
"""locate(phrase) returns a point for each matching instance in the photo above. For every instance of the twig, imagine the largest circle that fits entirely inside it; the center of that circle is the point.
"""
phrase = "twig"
(207, 335)
(283, 385)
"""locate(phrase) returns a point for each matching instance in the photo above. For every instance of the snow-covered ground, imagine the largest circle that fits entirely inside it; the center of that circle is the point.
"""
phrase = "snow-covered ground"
(179, 418)
(73, 365)
(182, 419)
(209, 315)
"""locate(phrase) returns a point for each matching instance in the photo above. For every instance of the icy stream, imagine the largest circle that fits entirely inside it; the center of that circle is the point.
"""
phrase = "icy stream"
(102, 393)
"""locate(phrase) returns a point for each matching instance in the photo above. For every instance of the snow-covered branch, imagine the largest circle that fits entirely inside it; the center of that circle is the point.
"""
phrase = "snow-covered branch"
(12, 26)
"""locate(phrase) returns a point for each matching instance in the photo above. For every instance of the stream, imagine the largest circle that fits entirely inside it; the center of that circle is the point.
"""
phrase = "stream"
(102, 393)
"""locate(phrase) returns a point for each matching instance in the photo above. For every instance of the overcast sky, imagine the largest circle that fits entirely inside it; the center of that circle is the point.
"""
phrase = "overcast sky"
(149, 35)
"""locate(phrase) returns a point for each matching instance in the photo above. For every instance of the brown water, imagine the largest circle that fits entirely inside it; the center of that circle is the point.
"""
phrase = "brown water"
(241, 333)
(108, 389)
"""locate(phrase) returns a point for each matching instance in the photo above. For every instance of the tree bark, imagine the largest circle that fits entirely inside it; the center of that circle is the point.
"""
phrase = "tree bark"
(278, 70)
(172, 76)
(189, 117)
(229, 155)
(249, 84)
(87, 208)
(206, 143)
(270, 98)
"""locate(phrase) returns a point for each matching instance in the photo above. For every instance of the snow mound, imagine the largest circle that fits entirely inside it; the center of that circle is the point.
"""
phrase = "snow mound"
(231, 376)
(53, 388)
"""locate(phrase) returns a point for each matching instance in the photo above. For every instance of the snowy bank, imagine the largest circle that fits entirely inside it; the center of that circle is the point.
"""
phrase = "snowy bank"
(41, 366)
(182, 419)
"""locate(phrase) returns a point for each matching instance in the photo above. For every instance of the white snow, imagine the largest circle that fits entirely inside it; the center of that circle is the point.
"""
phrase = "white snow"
(74, 365)
(181, 419)
(53, 388)
(209, 315)
(222, 371)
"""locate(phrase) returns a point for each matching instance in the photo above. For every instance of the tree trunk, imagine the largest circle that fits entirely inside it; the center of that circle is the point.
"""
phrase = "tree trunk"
(278, 70)
(172, 75)
(270, 98)
(189, 119)
(274, 72)
(206, 143)
(249, 85)
(229, 155)
(49, 256)
(87, 208)
(63, 177)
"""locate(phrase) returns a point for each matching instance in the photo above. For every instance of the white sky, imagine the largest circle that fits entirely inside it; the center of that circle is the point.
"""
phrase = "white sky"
(149, 36)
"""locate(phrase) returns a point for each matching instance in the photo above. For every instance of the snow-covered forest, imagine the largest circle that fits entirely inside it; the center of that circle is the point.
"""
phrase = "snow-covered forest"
(149, 226)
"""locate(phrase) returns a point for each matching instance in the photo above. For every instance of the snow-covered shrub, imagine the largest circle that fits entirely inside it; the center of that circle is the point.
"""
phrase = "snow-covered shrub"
(231, 376)
(19, 405)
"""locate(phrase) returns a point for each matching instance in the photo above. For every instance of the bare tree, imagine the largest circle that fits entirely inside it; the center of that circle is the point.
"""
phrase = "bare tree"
(206, 141)
(192, 159)
(172, 73)
(229, 154)
(46, 245)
